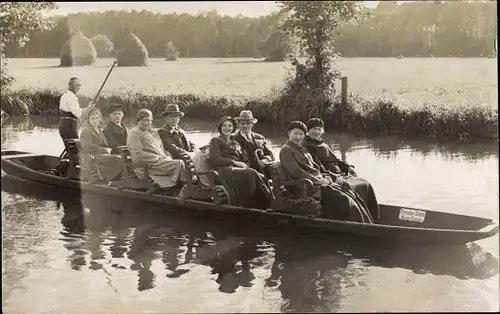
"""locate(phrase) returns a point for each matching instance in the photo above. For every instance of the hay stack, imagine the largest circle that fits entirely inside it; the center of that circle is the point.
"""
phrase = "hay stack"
(103, 45)
(77, 51)
(132, 52)
(171, 52)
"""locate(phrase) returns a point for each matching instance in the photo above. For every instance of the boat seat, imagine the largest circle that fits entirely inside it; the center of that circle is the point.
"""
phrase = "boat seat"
(292, 196)
(195, 189)
(129, 178)
(75, 169)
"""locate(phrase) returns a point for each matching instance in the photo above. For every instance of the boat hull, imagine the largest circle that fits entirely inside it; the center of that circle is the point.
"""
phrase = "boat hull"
(396, 223)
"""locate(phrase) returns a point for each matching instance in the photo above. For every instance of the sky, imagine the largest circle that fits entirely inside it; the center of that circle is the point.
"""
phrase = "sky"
(233, 8)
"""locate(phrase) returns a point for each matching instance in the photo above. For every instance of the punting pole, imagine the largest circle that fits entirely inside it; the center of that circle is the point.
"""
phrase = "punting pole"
(83, 117)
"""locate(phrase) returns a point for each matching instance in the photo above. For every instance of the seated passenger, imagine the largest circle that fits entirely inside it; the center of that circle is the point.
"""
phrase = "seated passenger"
(115, 131)
(245, 186)
(146, 149)
(251, 141)
(94, 143)
(297, 163)
(328, 162)
(172, 136)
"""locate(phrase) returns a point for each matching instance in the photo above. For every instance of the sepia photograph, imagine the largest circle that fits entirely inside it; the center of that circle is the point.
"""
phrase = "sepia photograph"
(249, 156)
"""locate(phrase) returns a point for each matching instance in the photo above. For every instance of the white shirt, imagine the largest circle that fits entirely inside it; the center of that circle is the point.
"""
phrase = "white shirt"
(69, 103)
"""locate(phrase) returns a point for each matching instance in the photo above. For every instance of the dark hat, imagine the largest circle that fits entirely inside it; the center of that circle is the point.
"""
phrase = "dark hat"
(246, 115)
(115, 107)
(314, 123)
(224, 119)
(172, 109)
(297, 125)
(143, 113)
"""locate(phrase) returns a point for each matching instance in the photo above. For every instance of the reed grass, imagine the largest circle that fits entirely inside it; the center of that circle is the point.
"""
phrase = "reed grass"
(382, 116)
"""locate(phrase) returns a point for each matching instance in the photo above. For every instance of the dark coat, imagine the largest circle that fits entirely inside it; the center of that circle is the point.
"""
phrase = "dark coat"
(221, 154)
(174, 141)
(116, 135)
(324, 156)
(93, 142)
(251, 146)
(297, 163)
(245, 186)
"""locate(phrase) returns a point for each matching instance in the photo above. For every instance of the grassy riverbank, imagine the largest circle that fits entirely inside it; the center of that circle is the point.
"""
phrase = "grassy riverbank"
(381, 116)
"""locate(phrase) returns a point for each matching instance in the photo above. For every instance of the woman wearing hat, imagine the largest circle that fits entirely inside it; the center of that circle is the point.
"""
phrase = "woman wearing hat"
(328, 162)
(146, 148)
(246, 187)
(94, 143)
(297, 163)
(115, 131)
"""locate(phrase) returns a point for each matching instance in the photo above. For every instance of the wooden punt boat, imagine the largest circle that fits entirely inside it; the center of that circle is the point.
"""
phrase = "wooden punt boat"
(396, 223)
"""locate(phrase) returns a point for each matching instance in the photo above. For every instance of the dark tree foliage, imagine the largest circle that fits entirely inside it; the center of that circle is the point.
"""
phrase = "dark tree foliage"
(410, 29)
(19, 21)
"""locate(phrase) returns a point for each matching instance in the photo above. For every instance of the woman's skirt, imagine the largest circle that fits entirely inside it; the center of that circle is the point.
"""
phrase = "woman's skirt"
(167, 172)
(246, 187)
(102, 166)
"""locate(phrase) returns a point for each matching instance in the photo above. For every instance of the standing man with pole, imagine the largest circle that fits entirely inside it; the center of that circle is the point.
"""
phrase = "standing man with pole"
(70, 108)
(70, 111)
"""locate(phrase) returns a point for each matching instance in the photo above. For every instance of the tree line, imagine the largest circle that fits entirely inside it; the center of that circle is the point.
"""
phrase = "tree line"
(410, 29)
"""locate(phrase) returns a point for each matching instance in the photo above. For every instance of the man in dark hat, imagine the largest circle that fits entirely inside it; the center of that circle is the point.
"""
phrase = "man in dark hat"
(115, 131)
(172, 136)
(327, 161)
(321, 152)
(251, 141)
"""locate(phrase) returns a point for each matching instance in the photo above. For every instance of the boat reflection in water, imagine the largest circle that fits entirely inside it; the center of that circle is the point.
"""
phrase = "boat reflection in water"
(311, 273)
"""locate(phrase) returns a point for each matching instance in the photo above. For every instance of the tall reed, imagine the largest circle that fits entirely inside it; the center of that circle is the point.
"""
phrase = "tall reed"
(381, 116)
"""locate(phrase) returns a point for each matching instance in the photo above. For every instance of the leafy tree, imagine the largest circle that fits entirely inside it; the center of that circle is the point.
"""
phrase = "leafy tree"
(18, 20)
(315, 24)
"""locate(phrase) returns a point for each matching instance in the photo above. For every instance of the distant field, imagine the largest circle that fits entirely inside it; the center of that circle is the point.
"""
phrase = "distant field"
(411, 82)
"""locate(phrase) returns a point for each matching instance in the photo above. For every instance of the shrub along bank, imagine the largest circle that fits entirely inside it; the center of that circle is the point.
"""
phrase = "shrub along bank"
(379, 116)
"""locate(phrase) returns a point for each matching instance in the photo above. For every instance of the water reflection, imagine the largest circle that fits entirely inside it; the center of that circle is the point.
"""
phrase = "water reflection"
(310, 272)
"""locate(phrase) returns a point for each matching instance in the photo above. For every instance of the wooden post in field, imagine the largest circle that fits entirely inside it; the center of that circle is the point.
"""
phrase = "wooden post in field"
(343, 102)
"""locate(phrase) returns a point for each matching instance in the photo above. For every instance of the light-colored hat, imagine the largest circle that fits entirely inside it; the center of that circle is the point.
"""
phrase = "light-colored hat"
(246, 115)
(172, 109)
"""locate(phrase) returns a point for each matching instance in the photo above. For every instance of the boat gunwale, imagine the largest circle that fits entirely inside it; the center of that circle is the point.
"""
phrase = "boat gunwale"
(488, 229)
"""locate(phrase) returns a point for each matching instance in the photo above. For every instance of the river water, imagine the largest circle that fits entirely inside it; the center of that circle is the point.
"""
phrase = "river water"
(111, 256)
